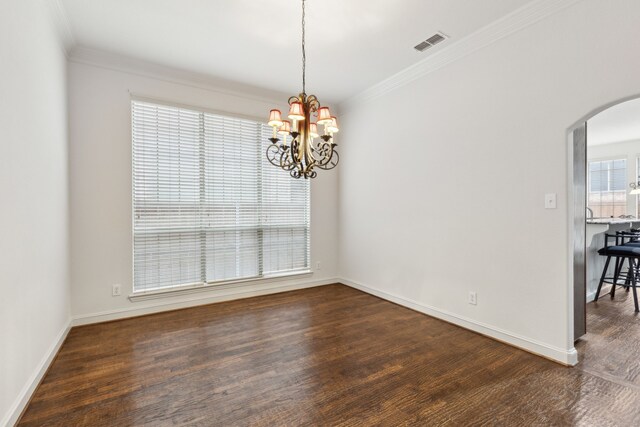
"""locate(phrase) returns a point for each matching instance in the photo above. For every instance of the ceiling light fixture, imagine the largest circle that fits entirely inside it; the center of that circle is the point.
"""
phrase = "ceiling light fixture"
(304, 153)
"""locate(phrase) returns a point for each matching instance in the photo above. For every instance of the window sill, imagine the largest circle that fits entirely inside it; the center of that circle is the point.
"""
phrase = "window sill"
(229, 284)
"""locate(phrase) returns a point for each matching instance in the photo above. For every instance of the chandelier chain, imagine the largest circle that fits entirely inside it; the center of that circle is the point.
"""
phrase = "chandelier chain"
(304, 53)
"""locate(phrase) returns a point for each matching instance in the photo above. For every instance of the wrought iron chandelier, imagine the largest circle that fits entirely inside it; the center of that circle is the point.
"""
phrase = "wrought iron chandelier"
(307, 150)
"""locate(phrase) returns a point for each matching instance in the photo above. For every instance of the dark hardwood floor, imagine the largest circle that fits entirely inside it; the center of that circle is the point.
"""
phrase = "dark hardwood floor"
(332, 356)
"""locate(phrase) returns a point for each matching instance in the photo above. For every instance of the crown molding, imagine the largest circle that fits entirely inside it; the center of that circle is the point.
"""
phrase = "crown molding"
(62, 25)
(125, 64)
(488, 35)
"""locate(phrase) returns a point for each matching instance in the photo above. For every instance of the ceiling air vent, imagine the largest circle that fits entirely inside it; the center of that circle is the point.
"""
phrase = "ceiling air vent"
(430, 42)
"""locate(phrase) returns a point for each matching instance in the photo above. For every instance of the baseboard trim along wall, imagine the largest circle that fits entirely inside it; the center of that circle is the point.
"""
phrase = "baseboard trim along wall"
(157, 306)
(25, 395)
(591, 296)
(565, 357)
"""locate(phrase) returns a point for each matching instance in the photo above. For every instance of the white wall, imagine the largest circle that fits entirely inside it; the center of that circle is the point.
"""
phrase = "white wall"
(34, 306)
(443, 179)
(629, 150)
(100, 176)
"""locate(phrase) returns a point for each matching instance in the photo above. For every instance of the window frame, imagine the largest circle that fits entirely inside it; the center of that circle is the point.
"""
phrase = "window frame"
(187, 288)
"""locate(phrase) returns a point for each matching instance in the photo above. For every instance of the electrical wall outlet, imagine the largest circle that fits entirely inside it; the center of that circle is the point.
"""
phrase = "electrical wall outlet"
(318, 265)
(473, 298)
(116, 290)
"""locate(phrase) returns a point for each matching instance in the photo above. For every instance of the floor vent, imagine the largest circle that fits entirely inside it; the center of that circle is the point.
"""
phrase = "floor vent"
(430, 42)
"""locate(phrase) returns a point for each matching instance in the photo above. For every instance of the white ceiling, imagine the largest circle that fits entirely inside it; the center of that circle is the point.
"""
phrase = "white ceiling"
(616, 124)
(351, 44)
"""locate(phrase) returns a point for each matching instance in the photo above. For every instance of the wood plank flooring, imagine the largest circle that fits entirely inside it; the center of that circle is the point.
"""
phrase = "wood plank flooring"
(332, 356)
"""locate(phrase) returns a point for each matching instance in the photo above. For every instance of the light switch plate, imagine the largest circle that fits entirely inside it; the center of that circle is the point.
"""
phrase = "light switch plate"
(550, 201)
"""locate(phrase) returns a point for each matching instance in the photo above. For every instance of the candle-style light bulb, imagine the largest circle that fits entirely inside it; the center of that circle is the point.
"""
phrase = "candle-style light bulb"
(313, 130)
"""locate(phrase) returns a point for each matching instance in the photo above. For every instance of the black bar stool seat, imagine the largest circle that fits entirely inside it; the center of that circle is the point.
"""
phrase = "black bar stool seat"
(626, 250)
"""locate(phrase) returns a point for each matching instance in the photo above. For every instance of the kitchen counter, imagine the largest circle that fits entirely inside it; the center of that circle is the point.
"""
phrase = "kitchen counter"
(612, 220)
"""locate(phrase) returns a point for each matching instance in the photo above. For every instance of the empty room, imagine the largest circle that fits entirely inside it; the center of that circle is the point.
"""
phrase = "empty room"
(319, 213)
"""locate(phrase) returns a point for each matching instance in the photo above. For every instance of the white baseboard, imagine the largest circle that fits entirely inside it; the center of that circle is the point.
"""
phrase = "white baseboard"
(591, 296)
(23, 398)
(157, 306)
(564, 356)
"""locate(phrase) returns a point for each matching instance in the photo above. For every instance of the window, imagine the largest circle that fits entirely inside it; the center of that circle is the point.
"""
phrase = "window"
(608, 188)
(207, 205)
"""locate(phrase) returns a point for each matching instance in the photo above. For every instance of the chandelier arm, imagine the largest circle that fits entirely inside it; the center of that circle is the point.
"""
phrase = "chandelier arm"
(332, 161)
(325, 150)
(322, 159)
(272, 154)
(335, 159)
(291, 157)
(292, 99)
(294, 151)
(285, 162)
(313, 103)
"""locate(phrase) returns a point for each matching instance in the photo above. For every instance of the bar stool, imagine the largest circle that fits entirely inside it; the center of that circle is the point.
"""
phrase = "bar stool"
(622, 251)
(629, 237)
(622, 237)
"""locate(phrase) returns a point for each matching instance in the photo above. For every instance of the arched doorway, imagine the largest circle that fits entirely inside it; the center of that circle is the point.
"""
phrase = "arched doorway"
(580, 192)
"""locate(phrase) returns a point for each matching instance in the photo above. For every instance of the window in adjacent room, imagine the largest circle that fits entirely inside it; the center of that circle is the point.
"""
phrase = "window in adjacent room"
(608, 188)
(207, 205)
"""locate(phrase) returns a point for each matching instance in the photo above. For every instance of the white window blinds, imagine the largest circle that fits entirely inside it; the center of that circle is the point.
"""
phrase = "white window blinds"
(207, 205)
(607, 195)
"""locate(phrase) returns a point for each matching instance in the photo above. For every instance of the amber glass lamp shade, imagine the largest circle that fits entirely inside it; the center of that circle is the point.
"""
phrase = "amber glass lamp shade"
(296, 111)
(275, 118)
(324, 116)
